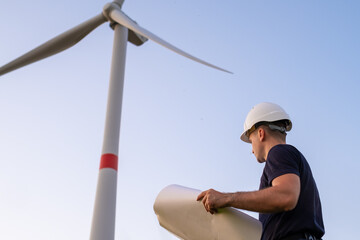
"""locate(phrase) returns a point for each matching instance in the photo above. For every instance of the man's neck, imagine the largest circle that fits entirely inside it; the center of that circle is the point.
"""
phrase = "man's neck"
(272, 143)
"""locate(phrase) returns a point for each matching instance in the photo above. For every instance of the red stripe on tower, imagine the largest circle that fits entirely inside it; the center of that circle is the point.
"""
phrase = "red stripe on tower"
(109, 161)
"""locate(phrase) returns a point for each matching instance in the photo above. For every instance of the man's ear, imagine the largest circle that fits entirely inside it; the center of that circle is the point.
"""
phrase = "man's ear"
(261, 134)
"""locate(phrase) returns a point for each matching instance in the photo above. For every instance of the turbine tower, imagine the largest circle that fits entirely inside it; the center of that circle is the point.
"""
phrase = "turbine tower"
(125, 29)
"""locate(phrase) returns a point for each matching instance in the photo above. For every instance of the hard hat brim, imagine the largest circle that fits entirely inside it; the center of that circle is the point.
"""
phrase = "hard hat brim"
(244, 137)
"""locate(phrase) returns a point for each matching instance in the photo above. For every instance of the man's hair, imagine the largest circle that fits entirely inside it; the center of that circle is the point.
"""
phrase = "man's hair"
(277, 128)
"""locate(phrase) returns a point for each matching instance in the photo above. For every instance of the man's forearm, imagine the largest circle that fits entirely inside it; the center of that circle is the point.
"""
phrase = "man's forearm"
(268, 200)
(281, 196)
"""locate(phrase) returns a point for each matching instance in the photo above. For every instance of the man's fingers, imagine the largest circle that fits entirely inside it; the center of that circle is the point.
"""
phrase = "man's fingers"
(201, 195)
(204, 201)
(204, 198)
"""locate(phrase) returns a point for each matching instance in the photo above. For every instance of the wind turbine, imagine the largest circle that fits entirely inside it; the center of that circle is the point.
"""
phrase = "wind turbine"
(125, 29)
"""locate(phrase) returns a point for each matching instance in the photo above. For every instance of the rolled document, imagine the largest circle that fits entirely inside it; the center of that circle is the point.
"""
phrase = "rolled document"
(179, 212)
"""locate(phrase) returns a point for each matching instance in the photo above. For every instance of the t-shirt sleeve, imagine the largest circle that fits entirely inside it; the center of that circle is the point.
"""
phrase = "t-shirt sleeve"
(281, 161)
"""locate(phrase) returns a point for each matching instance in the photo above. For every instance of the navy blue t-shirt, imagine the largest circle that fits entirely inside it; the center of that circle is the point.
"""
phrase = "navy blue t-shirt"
(306, 217)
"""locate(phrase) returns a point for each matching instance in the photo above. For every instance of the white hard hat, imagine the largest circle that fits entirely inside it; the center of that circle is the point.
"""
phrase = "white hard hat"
(264, 112)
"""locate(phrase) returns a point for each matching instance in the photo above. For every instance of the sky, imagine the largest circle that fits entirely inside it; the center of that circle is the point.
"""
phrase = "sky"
(181, 121)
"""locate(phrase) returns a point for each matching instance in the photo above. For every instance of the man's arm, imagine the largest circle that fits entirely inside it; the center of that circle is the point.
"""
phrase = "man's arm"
(281, 196)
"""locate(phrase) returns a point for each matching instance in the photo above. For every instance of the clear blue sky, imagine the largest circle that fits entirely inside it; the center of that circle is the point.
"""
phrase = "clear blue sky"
(181, 121)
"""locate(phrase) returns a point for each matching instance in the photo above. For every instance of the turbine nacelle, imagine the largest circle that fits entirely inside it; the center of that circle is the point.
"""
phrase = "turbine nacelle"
(133, 37)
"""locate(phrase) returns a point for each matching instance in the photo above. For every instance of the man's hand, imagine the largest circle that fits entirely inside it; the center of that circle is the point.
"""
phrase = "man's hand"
(213, 200)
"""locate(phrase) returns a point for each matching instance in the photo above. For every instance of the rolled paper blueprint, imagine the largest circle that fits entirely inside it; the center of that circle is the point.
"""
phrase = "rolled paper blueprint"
(178, 211)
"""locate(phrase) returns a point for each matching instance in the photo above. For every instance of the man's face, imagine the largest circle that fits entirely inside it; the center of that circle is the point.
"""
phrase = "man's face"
(257, 146)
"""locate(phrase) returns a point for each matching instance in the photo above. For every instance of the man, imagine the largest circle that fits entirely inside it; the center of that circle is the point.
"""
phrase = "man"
(288, 200)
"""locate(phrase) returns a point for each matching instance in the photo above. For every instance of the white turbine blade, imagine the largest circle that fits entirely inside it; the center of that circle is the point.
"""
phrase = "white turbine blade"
(55, 45)
(121, 18)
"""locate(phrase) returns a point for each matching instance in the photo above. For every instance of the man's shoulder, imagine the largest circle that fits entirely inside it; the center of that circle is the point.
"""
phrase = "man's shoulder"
(281, 148)
(283, 153)
(282, 159)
